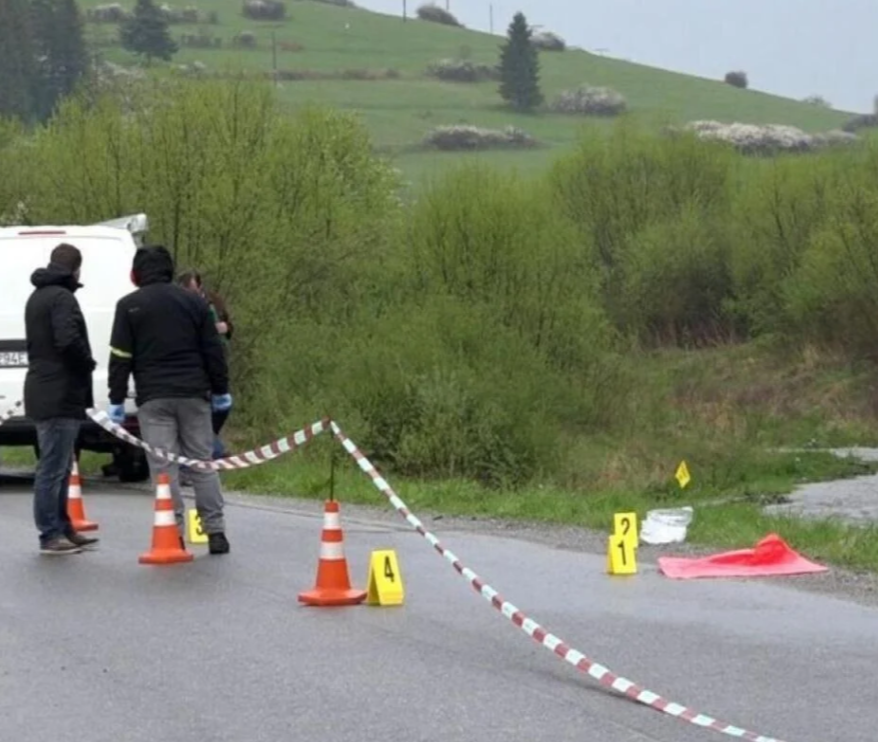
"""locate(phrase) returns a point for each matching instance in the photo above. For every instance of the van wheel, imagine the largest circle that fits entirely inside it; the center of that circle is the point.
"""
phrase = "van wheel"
(132, 466)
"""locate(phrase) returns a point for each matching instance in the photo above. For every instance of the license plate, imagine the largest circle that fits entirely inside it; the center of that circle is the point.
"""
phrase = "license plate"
(13, 359)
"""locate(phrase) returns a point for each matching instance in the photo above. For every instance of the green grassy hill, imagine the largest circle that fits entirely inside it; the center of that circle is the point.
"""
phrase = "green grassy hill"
(343, 42)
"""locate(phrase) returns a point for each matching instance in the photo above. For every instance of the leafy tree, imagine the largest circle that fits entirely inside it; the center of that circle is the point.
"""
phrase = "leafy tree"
(519, 67)
(17, 68)
(146, 33)
(61, 55)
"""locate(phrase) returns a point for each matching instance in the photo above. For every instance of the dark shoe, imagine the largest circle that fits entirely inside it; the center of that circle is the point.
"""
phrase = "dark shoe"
(59, 546)
(77, 539)
(217, 543)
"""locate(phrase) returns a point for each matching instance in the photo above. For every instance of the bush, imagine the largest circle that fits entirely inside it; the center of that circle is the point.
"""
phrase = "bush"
(435, 14)
(433, 385)
(863, 120)
(110, 13)
(189, 15)
(831, 291)
(459, 70)
(818, 101)
(768, 139)
(625, 193)
(547, 41)
(194, 69)
(349, 74)
(200, 41)
(264, 10)
(590, 101)
(676, 281)
(245, 40)
(468, 138)
(737, 79)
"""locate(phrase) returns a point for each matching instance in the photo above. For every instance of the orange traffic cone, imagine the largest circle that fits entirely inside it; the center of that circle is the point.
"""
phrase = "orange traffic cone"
(167, 546)
(75, 506)
(333, 582)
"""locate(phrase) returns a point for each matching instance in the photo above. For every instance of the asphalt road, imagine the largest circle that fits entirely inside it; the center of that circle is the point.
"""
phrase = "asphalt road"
(98, 647)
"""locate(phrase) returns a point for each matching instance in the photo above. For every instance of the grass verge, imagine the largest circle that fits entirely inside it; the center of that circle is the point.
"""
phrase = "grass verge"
(727, 514)
(728, 509)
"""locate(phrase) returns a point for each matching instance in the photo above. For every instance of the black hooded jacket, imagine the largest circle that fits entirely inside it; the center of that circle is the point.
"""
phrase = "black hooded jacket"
(59, 376)
(165, 336)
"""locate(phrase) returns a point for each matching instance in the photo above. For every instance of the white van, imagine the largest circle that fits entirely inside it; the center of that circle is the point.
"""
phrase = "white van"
(107, 252)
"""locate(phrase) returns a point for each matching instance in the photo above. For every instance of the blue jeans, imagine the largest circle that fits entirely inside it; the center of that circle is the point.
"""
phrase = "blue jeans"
(57, 439)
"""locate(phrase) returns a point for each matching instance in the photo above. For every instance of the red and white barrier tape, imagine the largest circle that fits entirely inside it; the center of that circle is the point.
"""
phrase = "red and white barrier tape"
(11, 412)
(530, 627)
(536, 632)
(239, 461)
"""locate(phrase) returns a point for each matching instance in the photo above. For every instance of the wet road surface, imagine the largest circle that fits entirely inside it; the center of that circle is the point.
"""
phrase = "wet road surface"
(95, 646)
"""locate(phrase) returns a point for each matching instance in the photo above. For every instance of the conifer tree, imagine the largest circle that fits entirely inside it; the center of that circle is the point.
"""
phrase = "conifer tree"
(519, 68)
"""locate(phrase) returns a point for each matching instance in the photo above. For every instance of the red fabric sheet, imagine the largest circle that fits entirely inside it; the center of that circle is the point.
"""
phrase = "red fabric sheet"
(771, 557)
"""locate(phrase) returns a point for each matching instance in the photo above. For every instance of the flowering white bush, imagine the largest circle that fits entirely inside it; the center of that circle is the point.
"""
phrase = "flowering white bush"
(464, 137)
(768, 138)
(462, 70)
(590, 101)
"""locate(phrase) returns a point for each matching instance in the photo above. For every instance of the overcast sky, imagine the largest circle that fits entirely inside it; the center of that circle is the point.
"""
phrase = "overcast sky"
(789, 47)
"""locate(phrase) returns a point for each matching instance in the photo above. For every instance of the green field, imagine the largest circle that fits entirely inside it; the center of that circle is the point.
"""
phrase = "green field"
(398, 112)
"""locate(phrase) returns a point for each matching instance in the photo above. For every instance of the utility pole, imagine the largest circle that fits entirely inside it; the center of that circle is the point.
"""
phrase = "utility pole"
(274, 57)
(491, 17)
(405, 16)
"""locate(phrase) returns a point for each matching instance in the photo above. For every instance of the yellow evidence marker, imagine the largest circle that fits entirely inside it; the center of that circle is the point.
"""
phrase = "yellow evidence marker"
(622, 545)
(385, 581)
(193, 526)
(625, 524)
(682, 475)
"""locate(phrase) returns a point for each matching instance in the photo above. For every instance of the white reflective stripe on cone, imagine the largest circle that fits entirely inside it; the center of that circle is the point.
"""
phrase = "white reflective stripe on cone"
(331, 522)
(74, 493)
(165, 518)
(331, 550)
(164, 492)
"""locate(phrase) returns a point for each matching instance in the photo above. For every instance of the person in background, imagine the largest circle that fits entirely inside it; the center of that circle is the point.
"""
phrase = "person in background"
(166, 337)
(192, 281)
(57, 392)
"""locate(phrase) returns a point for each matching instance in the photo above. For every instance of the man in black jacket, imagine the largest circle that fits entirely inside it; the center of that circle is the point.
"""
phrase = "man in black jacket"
(164, 335)
(57, 392)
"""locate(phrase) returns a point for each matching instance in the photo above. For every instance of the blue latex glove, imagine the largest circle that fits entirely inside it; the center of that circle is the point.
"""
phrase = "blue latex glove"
(221, 402)
(117, 413)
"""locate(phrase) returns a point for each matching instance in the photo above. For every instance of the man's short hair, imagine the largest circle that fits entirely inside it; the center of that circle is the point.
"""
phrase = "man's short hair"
(66, 257)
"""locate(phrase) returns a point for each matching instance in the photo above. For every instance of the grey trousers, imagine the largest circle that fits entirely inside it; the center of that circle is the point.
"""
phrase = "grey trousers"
(183, 426)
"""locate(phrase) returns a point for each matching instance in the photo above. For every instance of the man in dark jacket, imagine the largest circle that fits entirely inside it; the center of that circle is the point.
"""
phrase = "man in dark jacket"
(164, 336)
(57, 392)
